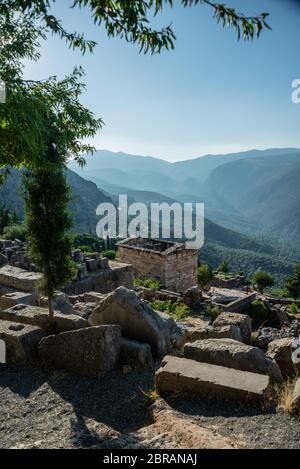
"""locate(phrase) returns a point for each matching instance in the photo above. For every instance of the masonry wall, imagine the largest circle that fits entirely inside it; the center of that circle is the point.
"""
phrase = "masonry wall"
(176, 271)
(145, 263)
(181, 270)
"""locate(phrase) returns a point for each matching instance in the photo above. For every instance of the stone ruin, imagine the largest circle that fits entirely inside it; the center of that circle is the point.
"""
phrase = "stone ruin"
(100, 326)
(172, 264)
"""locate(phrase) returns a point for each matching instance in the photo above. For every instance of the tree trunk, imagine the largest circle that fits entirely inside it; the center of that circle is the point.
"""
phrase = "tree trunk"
(51, 310)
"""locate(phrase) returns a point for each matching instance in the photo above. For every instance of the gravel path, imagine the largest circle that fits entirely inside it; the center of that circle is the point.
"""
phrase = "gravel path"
(57, 410)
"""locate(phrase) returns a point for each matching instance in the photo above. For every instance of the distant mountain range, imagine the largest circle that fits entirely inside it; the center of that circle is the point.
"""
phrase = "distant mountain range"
(255, 192)
(249, 173)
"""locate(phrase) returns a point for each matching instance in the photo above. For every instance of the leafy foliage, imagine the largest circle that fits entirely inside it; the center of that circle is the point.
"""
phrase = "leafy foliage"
(151, 283)
(205, 275)
(179, 310)
(294, 309)
(49, 243)
(262, 280)
(293, 283)
(15, 231)
(223, 267)
(88, 243)
(258, 312)
(129, 20)
(7, 217)
(212, 311)
(110, 254)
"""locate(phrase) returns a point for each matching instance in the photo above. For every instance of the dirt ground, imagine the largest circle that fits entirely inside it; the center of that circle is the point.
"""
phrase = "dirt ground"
(56, 410)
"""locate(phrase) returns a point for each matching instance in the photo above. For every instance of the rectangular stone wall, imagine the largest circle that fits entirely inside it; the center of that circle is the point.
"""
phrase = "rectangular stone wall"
(145, 263)
(181, 270)
(176, 271)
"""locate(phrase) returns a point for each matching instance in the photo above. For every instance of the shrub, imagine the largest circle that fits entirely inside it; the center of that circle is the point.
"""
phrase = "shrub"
(262, 280)
(294, 309)
(213, 311)
(18, 231)
(223, 267)
(174, 308)
(109, 254)
(151, 283)
(293, 283)
(205, 275)
(258, 312)
(91, 242)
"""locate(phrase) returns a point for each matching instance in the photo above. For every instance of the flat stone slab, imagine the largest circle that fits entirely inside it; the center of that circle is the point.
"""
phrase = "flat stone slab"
(87, 352)
(37, 316)
(14, 277)
(20, 341)
(233, 354)
(11, 299)
(189, 376)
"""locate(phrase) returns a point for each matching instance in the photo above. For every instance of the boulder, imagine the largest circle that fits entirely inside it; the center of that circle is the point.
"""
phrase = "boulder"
(242, 321)
(192, 297)
(20, 341)
(135, 354)
(233, 354)
(84, 309)
(192, 377)
(296, 396)
(281, 351)
(93, 297)
(37, 316)
(88, 352)
(137, 320)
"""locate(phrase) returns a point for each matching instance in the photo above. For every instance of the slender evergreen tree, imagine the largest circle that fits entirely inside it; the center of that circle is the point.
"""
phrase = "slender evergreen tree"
(48, 221)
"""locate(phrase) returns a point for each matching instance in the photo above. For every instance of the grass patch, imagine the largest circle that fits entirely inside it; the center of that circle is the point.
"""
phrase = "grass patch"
(285, 397)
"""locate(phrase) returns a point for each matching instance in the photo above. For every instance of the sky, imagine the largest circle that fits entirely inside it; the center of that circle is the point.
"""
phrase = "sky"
(211, 95)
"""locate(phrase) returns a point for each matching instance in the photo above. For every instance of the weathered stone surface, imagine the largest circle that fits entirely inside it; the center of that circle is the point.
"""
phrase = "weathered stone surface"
(84, 309)
(93, 297)
(137, 320)
(189, 376)
(135, 354)
(21, 341)
(92, 265)
(61, 303)
(36, 316)
(296, 395)
(192, 297)
(18, 278)
(233, 354)
(87, 352)
(11, 299)
(242, 321)
(210, 332)
(281, 351)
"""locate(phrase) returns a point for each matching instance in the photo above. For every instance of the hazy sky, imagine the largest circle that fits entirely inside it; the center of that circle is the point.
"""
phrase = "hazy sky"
(211, 95)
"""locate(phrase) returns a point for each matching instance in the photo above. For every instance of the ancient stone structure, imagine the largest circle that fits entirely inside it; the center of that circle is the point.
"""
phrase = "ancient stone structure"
(172, 264)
